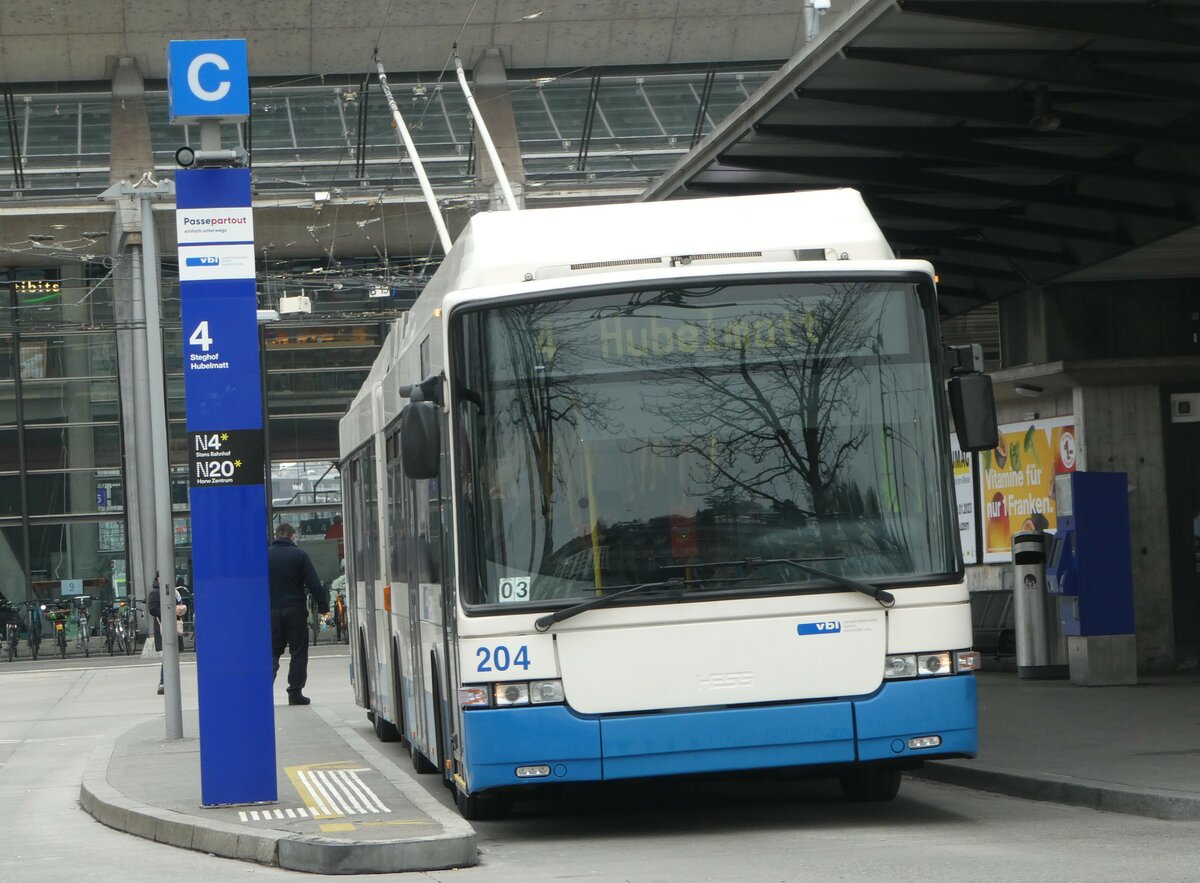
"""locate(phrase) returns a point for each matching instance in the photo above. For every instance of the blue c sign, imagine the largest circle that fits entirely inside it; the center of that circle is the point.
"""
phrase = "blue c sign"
(208, 79)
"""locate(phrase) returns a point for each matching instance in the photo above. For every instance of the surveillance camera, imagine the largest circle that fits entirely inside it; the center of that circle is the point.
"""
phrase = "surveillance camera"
(822, 6)
(188, 157)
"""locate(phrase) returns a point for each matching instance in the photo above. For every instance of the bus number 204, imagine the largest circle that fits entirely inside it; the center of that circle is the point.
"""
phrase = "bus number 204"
(501, 658)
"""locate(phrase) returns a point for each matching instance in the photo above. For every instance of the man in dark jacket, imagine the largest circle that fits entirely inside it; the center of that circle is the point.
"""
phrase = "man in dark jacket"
(291, 574)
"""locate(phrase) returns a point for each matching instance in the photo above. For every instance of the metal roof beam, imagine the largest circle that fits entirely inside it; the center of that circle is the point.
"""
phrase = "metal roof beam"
(1005, 108)
(1016, 222)
(961, 301)
(1140, 21)
(912, 177)
(994, 273)
(955, 142)
(949, 241)
(1023, 66)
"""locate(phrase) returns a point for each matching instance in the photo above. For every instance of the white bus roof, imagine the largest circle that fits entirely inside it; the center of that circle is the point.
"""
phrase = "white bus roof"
(503, 248)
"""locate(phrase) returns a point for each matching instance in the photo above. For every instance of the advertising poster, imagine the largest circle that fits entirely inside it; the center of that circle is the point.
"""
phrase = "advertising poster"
(1016, 481)
(964, 498)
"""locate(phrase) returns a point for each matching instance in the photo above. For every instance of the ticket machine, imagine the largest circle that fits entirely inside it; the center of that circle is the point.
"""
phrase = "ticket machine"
(1089, 567)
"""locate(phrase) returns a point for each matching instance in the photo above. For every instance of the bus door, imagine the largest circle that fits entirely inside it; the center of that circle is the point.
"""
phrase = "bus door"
(361, 573)
(416, 569)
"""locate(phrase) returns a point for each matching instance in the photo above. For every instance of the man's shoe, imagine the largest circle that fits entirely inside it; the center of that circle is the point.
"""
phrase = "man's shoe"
(298, 699)
(160, 690)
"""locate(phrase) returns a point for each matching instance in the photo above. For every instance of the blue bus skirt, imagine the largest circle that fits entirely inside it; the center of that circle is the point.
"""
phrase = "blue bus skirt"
(591, 748)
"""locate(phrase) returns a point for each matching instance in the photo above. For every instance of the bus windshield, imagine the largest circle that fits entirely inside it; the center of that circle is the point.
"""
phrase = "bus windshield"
(700, 437)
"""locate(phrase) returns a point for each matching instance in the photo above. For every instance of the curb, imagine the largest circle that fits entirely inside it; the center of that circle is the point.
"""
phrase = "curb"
(1093, 794)
(455, 847)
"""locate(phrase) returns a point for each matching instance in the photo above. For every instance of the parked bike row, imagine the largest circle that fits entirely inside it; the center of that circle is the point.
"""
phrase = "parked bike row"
(66, 626)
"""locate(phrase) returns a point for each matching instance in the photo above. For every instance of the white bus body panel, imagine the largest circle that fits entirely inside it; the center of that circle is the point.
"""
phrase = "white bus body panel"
(733, 652)
(698, 665)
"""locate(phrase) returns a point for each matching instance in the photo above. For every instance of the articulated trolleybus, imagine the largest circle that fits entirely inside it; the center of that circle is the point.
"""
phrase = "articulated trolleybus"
(660, 489)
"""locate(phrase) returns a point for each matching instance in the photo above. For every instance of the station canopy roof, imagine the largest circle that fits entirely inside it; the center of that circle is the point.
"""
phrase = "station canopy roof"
(1012, 143)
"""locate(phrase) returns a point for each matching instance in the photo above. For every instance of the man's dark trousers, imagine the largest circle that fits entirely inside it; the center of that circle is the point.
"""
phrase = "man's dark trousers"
(289, 627)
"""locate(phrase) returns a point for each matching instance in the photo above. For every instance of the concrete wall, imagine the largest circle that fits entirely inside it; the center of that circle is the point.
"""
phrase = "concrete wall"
(1121, 430)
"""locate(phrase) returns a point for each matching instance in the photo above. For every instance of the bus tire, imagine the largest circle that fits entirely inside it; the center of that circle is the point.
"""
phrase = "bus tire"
(385, 730)
(481, 807)
(870, 784)
(420, 762)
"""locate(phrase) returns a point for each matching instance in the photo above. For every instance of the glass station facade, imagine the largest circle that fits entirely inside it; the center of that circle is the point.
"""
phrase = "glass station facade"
(64, 502)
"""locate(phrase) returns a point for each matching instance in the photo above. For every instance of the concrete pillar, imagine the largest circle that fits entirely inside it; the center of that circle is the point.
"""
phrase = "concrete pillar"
(132, 156)
(490, 86)
(1120, 429)
(1023, 329)
(84, 539)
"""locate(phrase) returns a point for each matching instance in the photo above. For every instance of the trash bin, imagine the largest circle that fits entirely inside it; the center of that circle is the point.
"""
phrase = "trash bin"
(1041, 650)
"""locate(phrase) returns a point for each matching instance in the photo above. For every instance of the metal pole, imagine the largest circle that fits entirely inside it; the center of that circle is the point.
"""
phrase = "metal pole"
(501, 175)
(141, 514)
(22, 454)
(162, 470)
(430, 200)
(266, 419)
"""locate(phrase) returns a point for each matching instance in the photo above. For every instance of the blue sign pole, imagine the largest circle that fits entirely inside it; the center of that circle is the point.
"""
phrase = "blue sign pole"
(226, 462)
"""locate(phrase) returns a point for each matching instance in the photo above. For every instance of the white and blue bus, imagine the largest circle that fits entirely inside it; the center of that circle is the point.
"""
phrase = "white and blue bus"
(660, 489)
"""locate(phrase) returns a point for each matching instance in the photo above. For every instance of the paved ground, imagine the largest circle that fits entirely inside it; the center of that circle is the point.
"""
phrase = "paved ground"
(1121, 749)
(52, 718)
(345, 806)
(342, 806)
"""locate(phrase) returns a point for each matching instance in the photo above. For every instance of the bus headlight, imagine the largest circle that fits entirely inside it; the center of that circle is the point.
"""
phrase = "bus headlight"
(511, 694)
(934, 664)
(545, 692)
(931, 664)
(899, 667)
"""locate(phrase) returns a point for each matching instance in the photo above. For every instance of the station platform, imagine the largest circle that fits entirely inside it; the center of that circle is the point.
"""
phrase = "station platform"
(1115, 749)
(346, 808)
(343, 807)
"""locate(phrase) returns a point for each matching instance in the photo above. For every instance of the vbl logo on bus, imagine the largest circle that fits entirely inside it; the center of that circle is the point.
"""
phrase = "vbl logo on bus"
(828, 627)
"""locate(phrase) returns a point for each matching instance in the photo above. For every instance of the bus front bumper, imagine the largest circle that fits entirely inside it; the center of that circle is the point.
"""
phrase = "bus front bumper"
(589, 748)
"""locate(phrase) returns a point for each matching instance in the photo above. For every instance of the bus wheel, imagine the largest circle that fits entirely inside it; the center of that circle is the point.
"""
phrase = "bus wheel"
(421, 763)
(871, 785)
(480, 807)
(385, 730)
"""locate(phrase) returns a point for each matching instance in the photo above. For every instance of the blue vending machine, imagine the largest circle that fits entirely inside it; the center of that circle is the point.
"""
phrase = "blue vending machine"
(1089, 566)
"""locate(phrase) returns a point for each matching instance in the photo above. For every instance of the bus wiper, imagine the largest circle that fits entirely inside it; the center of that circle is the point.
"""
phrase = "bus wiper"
(884, 597)
(543, 623)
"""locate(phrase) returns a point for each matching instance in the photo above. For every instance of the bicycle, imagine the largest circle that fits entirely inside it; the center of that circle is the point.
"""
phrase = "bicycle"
(314, 619)
(12, 629)
(34, 623)
(83, 639)
(58, 615)
(108, 615)
(129, 626)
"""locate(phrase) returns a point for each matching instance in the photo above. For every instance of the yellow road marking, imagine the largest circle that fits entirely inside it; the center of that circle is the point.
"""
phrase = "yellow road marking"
(390, 822)
(337, 827)
(312, 801)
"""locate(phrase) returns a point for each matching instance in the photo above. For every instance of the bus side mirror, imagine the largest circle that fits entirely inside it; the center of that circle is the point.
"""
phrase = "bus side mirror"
(420, 447)
(973, 406)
